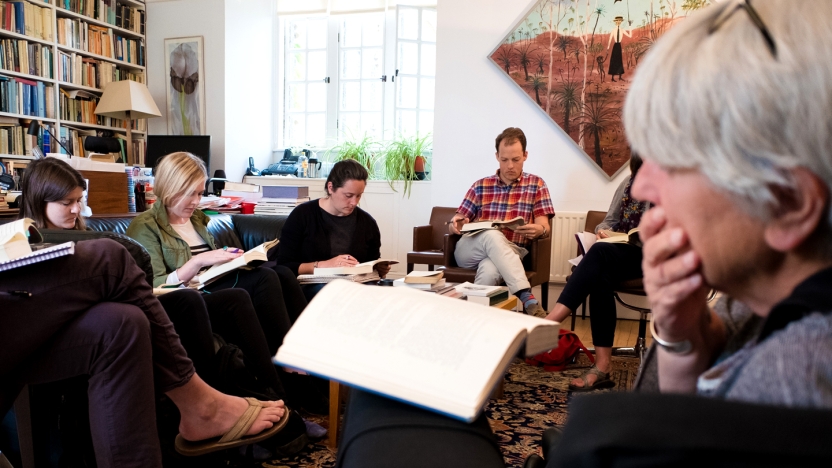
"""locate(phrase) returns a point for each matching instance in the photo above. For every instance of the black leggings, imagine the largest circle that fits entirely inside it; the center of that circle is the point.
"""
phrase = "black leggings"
(603, 267)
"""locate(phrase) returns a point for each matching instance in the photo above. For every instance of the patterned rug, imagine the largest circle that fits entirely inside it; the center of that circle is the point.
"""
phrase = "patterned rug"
(534, 400)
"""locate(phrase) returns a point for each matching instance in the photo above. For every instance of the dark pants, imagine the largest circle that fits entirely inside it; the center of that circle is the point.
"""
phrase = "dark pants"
(93, 313)
(293, 295)
(601, 269)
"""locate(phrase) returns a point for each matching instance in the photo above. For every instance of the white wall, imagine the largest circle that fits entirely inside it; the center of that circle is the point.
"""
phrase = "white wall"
(475, 101)
(182, 18)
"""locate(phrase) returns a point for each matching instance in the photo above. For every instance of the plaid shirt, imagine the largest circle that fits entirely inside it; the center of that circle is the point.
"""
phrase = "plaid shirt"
(491, 199)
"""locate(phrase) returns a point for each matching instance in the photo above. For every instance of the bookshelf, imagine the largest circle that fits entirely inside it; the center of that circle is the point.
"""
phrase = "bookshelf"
(56, 56)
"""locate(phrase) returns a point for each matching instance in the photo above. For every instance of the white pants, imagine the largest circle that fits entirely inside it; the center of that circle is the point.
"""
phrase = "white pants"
(495, 259)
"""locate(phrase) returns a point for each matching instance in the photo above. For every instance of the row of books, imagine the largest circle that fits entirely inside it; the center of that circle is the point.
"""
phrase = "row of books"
(108, 11)
(77, 69)
(22, 96)
(24, 57)
(99, 40)
(278, 206)
(14, 140)
(26, 18)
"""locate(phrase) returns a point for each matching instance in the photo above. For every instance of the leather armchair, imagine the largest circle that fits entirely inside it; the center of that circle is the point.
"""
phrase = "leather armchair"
(537, 264)
(429, 240)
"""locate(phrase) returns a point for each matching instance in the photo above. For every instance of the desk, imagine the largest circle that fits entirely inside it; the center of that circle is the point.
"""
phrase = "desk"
(9, 213)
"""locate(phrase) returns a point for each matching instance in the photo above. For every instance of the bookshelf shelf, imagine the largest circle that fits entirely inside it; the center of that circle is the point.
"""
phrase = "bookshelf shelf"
(25, 75)
(133, 3)
(17, 156)
(70, 123)
(124, 32)
(67, 85)
(27, 117)
(11, 34)
(120, 63)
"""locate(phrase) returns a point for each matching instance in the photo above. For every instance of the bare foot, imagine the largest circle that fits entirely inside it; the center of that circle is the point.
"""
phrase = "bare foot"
(206, 413)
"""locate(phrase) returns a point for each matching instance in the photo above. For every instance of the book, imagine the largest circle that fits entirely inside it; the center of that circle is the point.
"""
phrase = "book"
(491, 300)
(470, 289)
(435, 352)
(45, 252)
(629, 237)
(241, 187)
(478, 226)
(359, 278)
(285, 191)
(15, 238)
(402, 282)
(252, 257)
(365, 267)
(424, 277)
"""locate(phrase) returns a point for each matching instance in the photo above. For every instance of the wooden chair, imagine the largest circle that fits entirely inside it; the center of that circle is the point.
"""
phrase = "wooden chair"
(428, 241)
(537, 264)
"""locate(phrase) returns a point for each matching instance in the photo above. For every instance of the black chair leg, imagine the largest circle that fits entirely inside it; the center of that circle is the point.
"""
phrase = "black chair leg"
(544, 296)
(409, 267)
(583, 310)
(430, 267)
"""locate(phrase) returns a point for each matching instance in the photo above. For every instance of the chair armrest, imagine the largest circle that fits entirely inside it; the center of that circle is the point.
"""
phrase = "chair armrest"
(449, 245)
(541, 256)
(421, 237)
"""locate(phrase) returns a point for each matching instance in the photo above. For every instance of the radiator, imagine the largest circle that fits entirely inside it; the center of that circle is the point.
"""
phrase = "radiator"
(564, 246)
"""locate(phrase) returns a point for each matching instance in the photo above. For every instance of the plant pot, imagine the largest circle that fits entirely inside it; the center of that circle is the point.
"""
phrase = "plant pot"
(419, 164)
(421, 175)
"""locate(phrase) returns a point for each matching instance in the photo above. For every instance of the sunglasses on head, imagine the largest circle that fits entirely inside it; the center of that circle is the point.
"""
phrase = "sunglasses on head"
(755, 18)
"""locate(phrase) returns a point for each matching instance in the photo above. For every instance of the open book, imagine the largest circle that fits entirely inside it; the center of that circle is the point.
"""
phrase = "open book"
(15, 238)
(253, 257)
(361, 268)
(512, 224)
(613, 237)
(428, 350)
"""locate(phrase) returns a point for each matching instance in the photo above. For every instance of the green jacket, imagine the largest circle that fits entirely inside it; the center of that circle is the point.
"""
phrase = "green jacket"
(167, 250)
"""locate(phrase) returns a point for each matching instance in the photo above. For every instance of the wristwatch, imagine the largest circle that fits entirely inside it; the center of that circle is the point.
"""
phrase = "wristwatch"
(678, 347)
(544, 232)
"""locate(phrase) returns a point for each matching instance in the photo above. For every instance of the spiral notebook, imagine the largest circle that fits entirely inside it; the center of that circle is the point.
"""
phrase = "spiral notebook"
(359, 278)
(39, 255)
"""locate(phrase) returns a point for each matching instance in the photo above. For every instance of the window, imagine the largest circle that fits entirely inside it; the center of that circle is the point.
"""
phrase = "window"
(349, 75)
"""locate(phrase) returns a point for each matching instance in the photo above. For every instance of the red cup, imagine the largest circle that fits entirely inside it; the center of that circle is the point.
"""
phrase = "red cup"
(247, 207)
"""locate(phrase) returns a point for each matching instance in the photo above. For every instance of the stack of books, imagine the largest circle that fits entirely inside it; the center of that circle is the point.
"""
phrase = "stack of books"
(481, 294)
(430, 281)
(281, 199)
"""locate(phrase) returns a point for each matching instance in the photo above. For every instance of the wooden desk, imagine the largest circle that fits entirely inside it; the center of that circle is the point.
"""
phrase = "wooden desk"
(107, 192)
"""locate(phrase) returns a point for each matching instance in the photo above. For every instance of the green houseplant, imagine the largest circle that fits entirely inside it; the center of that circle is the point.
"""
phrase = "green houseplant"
(364, 151)
(404, 159)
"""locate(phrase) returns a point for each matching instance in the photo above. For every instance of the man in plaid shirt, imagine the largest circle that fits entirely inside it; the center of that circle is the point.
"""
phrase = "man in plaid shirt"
(505, 195)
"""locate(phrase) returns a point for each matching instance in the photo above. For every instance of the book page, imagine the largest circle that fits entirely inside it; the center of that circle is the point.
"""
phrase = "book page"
(361, 268)
(257, 254)
(8, 230)
(431, 350)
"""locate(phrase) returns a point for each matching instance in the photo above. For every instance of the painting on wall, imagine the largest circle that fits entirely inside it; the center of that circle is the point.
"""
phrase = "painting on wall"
(186, 87)
(575, 59)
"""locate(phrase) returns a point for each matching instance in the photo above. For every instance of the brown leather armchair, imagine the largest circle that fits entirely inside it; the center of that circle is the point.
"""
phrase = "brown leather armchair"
(537, 264)
(429, 240)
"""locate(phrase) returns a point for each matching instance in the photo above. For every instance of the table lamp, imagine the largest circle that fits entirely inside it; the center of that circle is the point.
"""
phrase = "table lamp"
(127, 100)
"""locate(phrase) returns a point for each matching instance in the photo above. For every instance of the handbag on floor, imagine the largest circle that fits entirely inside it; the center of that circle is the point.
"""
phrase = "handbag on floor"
(554, 360)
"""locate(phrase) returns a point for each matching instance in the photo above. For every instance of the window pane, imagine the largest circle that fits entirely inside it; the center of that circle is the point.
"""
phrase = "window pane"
(426, 93)
(297, 35)
(350, 125)
(373, 31)
(406, 97)
(295, 129)
(425, 123)
(351, 64)
(371, 97)
(428, 59)
(408, 26)
(350, 96)
(296, 97)
(317, 65)
(316, 129)
(371, 124)
(429, 25)
(406, 123)
(408, 58)
(351, 32)
(316, 93)
(316, 30)
(371, 66)
(296, 66)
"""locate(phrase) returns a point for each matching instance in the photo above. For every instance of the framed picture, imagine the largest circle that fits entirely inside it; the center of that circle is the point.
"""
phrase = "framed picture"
(185, 70)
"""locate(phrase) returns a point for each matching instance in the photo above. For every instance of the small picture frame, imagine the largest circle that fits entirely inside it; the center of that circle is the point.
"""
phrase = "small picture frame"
(185, 72)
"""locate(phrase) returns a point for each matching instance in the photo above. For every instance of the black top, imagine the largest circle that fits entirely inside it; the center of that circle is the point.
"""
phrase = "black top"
(340, 231)
(306, 238)
(812, 295)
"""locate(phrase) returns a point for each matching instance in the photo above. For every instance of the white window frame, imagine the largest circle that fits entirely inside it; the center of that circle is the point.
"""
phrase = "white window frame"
(420, 42)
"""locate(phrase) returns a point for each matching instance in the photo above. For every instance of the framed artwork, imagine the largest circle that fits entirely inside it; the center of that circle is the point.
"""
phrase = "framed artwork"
(186, 86)
(575, 60)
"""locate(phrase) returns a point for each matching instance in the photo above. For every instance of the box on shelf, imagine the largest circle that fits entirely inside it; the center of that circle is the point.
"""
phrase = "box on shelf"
(86, 164)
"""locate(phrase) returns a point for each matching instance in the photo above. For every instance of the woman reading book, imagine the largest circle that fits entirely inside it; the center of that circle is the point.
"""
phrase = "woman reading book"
(54, 192)
(601, 268)
(333, 231)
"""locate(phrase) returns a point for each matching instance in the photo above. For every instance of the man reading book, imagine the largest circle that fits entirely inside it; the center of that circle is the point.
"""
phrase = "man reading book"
(497, 254)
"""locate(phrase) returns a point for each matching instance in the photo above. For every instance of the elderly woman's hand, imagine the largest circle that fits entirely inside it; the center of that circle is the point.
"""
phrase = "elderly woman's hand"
(344, 260)
(672, 279)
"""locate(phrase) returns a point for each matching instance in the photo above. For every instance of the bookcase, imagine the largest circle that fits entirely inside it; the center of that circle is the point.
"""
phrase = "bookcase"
(56, 57)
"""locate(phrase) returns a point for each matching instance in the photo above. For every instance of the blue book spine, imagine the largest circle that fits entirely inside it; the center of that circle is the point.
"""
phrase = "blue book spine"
(41, 99)
(19, 25)
(47, 142)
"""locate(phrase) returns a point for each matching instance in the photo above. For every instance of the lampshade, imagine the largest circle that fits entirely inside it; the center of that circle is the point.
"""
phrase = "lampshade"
(128, 95)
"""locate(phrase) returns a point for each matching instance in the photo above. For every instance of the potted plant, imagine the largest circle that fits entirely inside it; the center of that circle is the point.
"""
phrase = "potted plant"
(364, 151)
(404, 159)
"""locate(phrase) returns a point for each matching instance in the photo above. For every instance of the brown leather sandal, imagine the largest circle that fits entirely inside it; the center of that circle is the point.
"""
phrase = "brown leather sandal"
(602, 381)
(235, 437)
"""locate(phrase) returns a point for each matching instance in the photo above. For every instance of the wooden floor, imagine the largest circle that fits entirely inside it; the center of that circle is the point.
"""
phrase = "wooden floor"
(626, 332)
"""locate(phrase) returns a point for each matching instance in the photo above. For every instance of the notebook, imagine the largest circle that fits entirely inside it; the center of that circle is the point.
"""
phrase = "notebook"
(46, 253)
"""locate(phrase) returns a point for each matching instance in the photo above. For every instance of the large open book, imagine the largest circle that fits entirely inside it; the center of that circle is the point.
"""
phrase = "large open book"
(15, 238)
(428, 350)
(252, 257)
(478, 226)
(629, 237)
(360, 269)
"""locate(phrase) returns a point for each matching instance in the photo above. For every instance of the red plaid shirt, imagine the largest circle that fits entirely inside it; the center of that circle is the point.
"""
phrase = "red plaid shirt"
(491, 199)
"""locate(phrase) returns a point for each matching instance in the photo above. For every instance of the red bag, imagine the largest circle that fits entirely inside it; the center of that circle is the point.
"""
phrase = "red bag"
(569, 346)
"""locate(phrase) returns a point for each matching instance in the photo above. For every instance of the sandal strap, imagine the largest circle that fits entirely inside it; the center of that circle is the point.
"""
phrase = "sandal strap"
(244, 423)
(597, 372)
